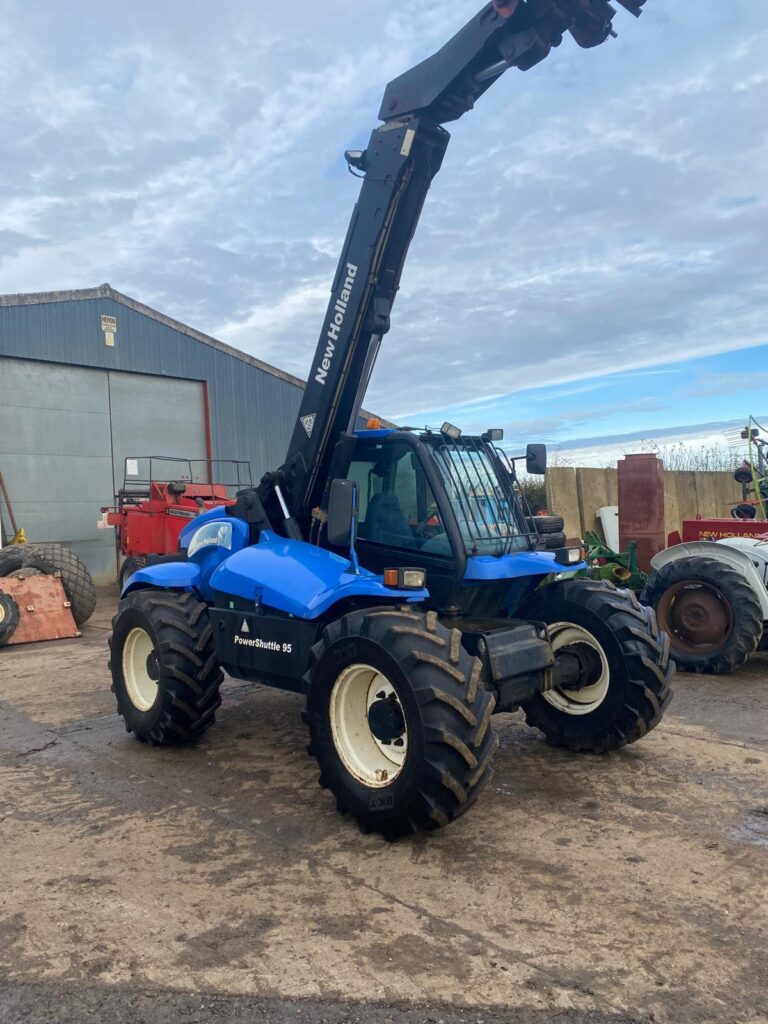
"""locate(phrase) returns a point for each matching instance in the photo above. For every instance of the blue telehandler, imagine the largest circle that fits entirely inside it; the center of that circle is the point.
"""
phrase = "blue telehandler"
(394, 577)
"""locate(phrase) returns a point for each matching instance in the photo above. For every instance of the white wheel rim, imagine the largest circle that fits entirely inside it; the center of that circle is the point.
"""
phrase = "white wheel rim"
(368, 759)
(2, 614)
(588, 698)
(142, 688)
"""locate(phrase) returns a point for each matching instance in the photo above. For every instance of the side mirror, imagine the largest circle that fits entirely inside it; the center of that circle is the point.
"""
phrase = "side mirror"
(342, 512)
(536, 459)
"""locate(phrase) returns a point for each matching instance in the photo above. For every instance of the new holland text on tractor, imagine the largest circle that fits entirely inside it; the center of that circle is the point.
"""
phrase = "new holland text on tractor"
(392, 576)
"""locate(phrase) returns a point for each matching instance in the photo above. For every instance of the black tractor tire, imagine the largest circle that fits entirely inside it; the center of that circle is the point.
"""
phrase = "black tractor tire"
(712, 615)
(131, 565)
(169, 635)
(9, 617)
(11, 558)
(24, 574)
(631, 653)
(55, 559)
(545, 524)
(554, 541)
(744, 511)
(550, 542)
(432, 687)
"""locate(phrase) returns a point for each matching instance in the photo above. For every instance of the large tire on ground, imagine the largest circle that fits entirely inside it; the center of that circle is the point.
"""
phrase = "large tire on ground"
(712, 615)
(399, 720)
(624, 659)
(165, 672)
(11, 559)
(131, 565)
(53, 559)
(546, 524)
(9, 617)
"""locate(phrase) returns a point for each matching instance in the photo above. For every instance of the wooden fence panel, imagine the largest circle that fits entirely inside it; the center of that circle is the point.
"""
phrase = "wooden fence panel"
(596, 488)
(577, 494)
(563, 498)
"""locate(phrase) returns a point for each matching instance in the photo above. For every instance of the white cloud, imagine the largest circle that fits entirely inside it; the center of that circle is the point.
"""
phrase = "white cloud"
(605, 211)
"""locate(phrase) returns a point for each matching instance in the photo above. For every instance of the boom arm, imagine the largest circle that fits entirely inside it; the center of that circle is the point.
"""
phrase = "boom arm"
(402, 158)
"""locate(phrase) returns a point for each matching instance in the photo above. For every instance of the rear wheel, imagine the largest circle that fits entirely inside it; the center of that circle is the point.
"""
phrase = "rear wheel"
(621, 671)
(712, 615)
(131, 565)
(399, 720)
(165, 672)
(9, 617)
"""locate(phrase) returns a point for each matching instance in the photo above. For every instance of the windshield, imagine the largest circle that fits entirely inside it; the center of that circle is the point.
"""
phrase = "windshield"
(484, 506)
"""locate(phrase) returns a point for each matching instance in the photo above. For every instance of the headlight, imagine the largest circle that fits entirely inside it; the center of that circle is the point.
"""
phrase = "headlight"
(212, 535)
(405, 579)
(570, 556)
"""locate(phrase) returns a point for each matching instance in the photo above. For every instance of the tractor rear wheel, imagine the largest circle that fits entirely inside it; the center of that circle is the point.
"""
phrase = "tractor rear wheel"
(55, 559)
(165, 672)
(623, 659)
(712, 615)
(9, 617)
(399, 720)
(131, 565)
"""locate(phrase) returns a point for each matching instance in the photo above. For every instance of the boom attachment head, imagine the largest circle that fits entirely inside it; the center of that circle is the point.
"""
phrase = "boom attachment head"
(504, 34)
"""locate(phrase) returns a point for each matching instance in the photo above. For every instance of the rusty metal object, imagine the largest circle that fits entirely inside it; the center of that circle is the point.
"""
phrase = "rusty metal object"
(641, 506)
(697, 615)
(45, 610)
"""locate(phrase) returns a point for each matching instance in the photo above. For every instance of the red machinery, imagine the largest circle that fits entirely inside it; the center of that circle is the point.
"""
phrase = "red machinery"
(158, 498)
(718, 529)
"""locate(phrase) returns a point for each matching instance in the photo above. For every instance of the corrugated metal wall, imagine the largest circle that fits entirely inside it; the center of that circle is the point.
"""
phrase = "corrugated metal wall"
(65, 432)
(251, 411)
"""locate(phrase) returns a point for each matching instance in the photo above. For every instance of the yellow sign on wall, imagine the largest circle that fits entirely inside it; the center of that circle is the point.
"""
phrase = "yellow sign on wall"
(109, 327)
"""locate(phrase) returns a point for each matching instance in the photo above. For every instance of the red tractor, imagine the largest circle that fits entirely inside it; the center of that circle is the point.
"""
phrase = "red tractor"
(158, 498)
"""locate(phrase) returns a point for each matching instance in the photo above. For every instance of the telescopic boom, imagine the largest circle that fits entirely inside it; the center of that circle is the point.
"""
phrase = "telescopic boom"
(403, 156)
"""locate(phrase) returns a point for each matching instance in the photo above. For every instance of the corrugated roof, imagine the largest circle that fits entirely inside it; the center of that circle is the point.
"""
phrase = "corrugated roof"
(106, 291)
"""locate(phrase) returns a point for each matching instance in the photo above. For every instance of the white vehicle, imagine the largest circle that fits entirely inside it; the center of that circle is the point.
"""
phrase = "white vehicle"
(711, 597)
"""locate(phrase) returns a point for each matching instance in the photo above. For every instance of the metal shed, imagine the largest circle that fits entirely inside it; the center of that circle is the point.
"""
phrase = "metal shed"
(90, 377)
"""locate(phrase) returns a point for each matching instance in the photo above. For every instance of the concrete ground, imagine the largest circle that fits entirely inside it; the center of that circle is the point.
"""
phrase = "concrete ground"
(217, 883)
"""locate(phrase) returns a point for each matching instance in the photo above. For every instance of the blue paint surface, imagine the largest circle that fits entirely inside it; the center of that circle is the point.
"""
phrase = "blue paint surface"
(166, 576)
(487, 568)
(374, 435)
(298, 578)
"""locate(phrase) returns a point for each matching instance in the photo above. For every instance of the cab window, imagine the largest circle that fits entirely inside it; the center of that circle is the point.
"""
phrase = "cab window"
(397, 506)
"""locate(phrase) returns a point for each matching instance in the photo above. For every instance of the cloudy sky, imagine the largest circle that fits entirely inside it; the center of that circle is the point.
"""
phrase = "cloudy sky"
(592, 259)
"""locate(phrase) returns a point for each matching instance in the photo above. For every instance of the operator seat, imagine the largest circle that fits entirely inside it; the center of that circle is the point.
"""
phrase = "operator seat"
(385, 522)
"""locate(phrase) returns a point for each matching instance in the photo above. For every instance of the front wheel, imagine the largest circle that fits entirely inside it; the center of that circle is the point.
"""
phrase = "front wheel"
(165, 672)
(399, 720)
(619, 667)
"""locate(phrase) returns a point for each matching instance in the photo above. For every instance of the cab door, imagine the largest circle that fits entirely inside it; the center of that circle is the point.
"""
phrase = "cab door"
(400, 523)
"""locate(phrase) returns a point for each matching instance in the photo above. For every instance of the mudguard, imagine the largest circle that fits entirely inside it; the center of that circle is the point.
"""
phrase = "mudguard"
(486, 568)
(723, 552)
(300, 579)
(166, 576)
